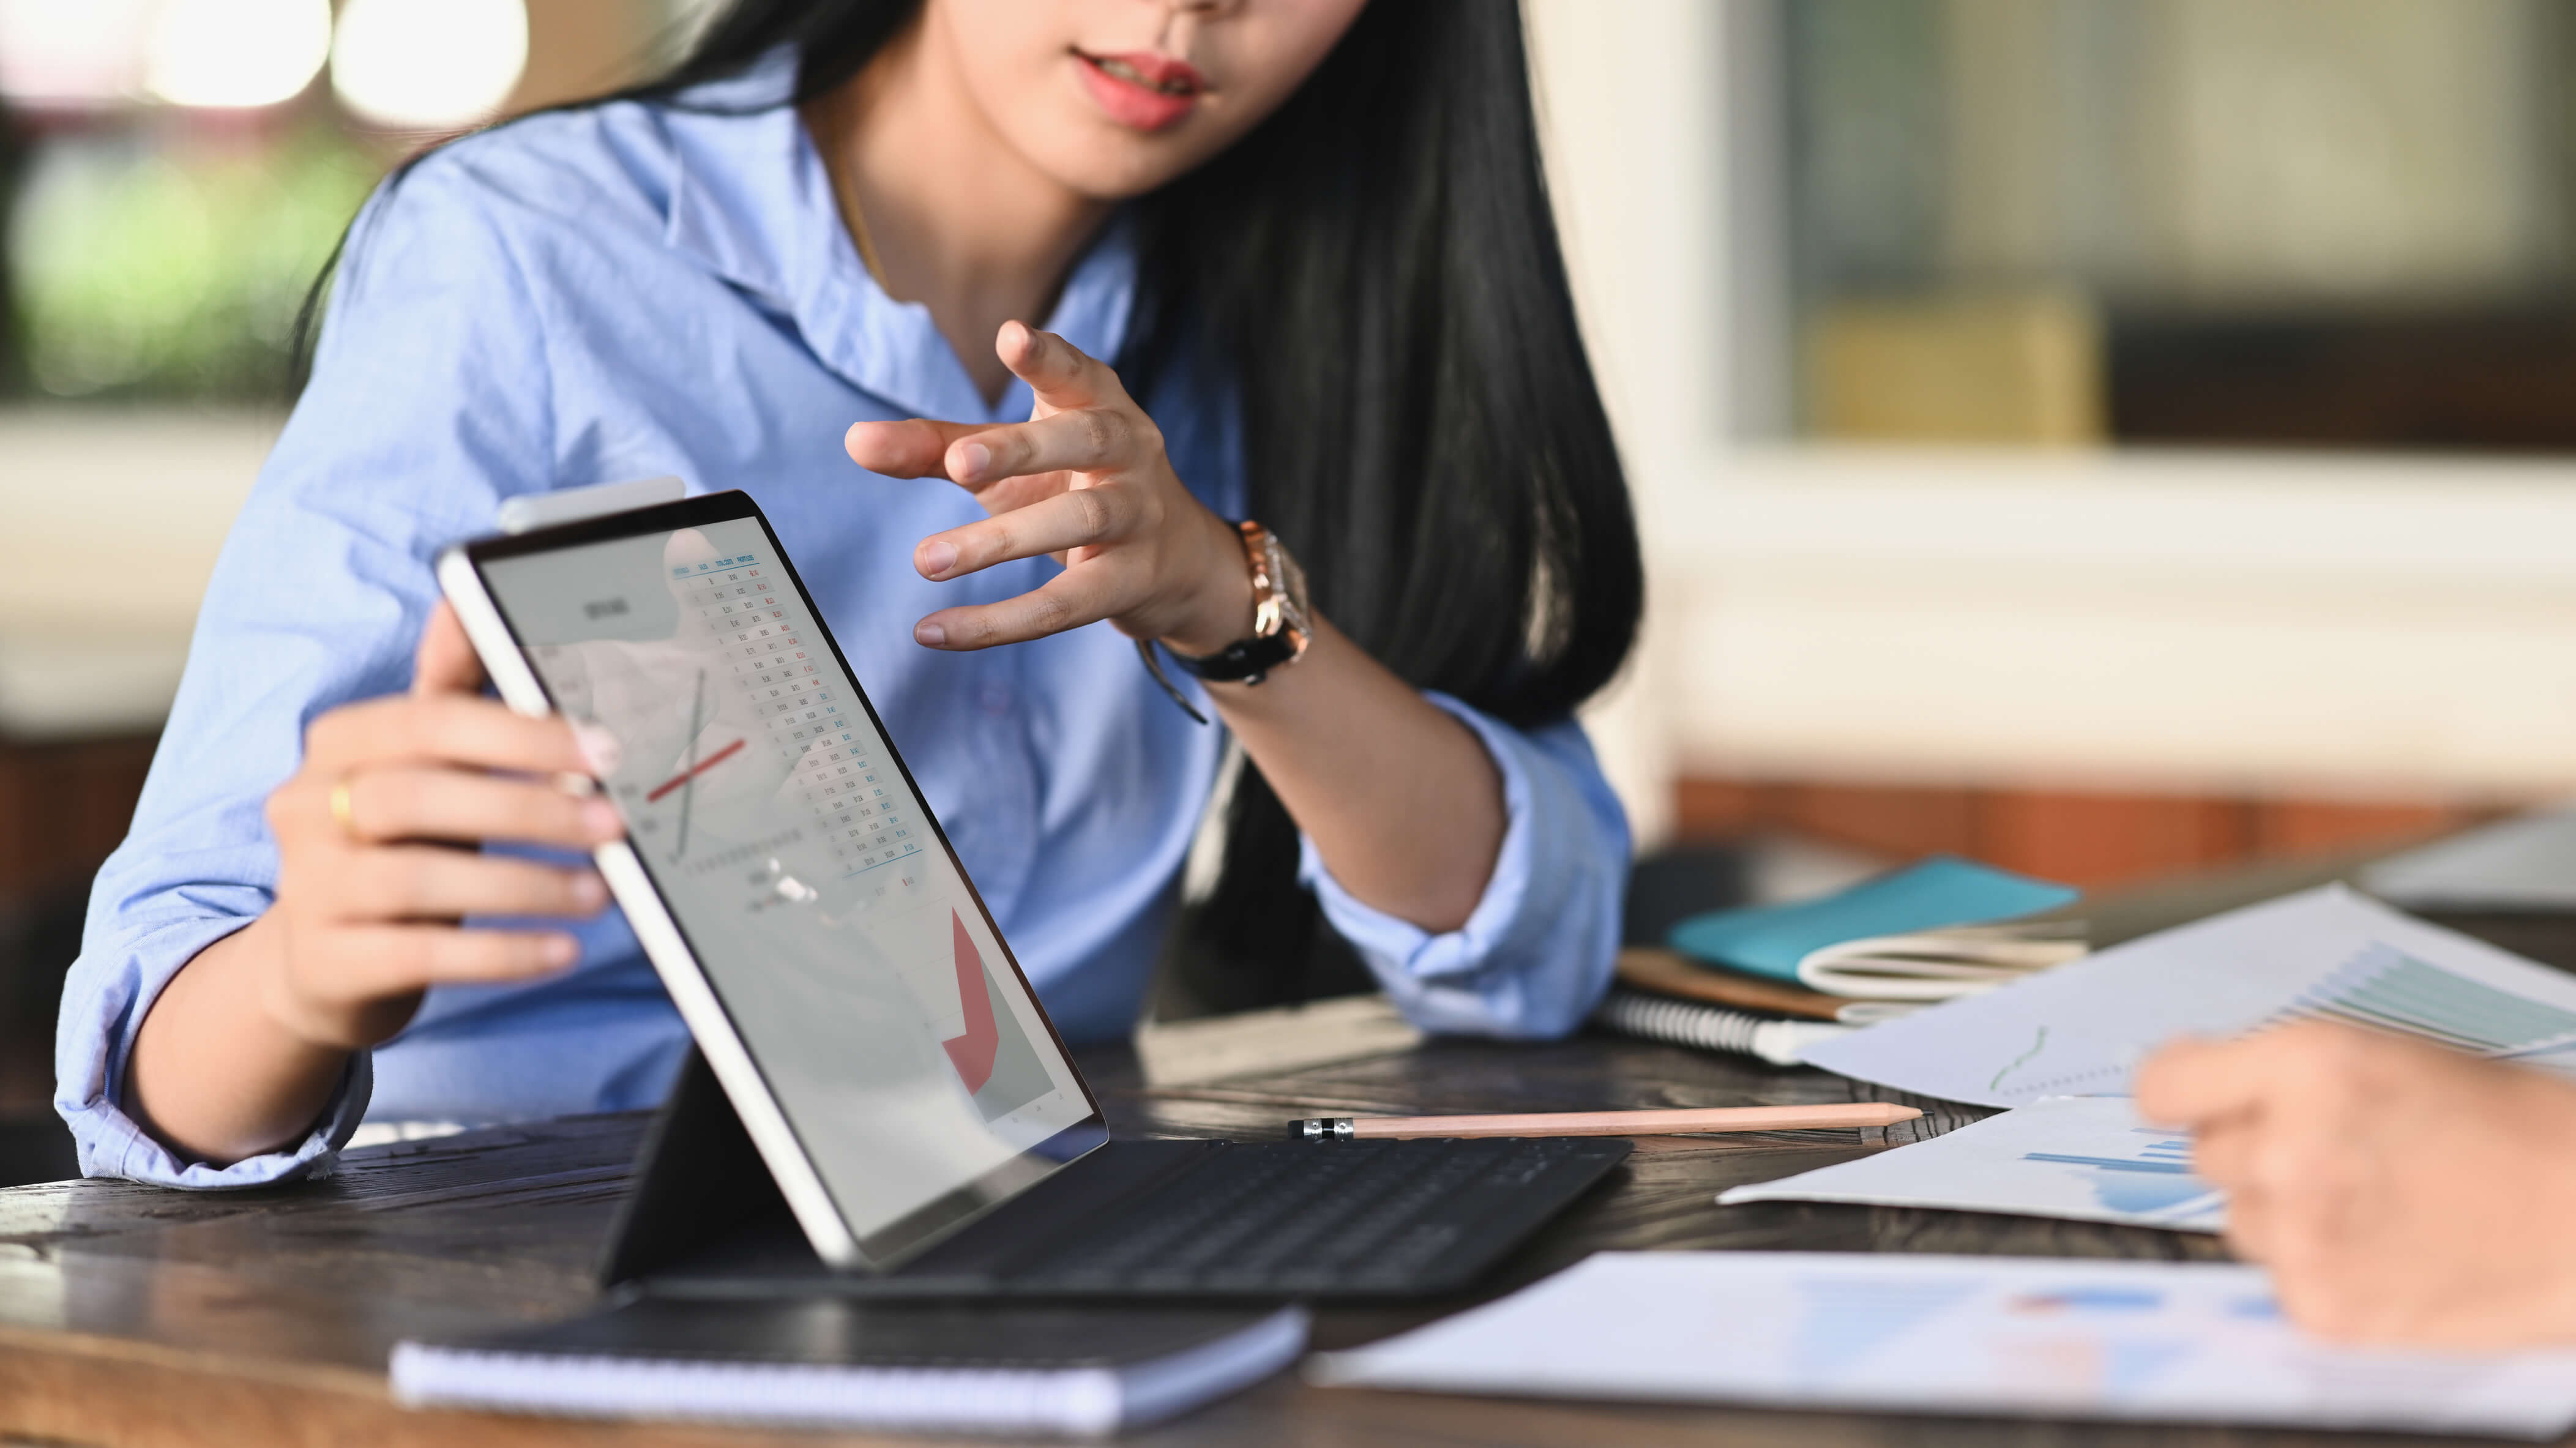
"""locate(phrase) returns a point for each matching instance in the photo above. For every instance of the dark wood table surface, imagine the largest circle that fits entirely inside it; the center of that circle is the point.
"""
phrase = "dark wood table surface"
(131, 1315)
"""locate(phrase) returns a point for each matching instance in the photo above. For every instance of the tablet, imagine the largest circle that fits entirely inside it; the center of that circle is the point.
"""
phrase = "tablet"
(782, 871)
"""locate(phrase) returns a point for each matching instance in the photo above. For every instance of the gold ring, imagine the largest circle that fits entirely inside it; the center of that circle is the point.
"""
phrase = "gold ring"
(340, 811)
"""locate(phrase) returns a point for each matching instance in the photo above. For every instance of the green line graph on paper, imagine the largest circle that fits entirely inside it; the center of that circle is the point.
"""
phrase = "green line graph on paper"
(2038, 1043)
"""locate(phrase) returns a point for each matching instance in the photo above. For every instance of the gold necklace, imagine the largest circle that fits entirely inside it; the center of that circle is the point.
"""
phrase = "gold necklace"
(827, 116)
(859, 233)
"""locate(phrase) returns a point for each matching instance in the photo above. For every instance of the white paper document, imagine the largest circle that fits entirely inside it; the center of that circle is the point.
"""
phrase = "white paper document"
(2332, 954)
(2085, 1158)
(2158, 1341)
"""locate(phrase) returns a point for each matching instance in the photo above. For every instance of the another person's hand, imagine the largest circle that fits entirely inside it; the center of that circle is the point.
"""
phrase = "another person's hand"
(1084, 479)
(370, 882)
(2400, 1193)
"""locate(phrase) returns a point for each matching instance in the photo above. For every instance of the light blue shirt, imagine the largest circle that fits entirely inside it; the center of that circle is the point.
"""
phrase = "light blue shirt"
(630, 291)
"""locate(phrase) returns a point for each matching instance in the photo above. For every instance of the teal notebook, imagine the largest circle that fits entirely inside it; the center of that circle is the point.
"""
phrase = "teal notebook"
(1941, 891)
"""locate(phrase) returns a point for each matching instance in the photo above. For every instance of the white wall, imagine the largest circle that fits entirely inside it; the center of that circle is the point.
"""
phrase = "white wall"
(1631, 103)
(114, 518)
(2377, 626)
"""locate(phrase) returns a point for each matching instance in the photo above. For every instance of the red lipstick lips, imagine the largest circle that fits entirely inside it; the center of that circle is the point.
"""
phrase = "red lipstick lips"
(1142, 89)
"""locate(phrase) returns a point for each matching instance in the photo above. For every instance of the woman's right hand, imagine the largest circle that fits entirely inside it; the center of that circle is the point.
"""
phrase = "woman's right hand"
(371, 886)
(376, 873)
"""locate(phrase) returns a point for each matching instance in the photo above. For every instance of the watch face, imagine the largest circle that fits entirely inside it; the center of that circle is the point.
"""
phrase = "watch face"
(1287, 580)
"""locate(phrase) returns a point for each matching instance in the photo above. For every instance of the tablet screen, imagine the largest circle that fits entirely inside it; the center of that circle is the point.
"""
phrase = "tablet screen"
(893, 1029)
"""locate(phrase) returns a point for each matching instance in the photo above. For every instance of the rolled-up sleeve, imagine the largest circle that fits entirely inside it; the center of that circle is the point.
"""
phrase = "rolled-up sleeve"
(98, 1022)
(1535, 955)
(426, 408)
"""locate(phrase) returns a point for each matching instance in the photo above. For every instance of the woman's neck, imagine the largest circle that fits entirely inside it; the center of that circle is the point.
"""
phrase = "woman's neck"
(957, 218)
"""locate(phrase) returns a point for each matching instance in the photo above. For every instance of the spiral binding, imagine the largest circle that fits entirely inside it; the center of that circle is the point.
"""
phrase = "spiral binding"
(1679, 1023)
(1707, 1027)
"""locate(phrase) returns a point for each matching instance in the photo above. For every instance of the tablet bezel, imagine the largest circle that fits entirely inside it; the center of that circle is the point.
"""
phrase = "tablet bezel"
(666, 943)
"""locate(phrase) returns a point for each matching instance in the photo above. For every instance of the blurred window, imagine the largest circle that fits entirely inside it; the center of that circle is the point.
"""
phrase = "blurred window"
(235, 54)
(173, 173)
(428, 64)
(71, 52)
(2335, 222)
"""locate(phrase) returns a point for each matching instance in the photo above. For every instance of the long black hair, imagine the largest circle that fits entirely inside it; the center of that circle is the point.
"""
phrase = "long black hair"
(1377, 266)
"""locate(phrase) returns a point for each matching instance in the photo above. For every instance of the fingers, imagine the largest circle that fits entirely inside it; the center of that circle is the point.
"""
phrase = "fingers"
(2230, 1158)
(388, 959)
(1025, 477)
(1083, 440)
(428, 882)
(1058, 372)
(913, 448)
(445, 662)
(1069, 600)
(2250, 1226)
(1005, 494)
(1073, 519)
(412, 767)
(2266, 1133)
(444, 804)
(2192, 1081)
(2224, 1154)
(446, 728)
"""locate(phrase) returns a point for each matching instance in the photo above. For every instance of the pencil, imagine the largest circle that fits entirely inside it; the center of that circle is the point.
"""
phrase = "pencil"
(1609, 1123)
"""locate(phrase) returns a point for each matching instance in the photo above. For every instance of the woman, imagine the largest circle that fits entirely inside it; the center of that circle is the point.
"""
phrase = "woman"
(1313, 241)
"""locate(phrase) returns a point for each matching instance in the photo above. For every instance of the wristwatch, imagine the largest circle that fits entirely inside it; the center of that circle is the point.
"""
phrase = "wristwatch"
(1281, 625)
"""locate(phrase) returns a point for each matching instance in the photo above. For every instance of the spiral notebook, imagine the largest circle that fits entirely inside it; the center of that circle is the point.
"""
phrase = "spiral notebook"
(1775, 1039)
(830, 1362)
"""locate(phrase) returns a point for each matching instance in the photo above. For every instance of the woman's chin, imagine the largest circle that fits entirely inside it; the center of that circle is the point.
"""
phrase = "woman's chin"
(1090, 155)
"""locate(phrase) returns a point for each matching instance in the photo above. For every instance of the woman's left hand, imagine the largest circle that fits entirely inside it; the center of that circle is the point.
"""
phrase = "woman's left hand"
(1084, 479)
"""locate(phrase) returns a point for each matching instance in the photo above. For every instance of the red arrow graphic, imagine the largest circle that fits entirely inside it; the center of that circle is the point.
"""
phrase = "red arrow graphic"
(972, 1053)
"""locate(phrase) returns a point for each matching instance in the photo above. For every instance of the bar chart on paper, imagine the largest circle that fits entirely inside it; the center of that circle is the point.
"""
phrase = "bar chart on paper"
(2081, 1158)
(2153, 1177)
(2328, 954)
(2386, 989)
(2164, 1342)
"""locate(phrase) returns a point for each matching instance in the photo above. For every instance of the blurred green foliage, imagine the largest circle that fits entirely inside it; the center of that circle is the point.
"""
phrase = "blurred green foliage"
(173, 267)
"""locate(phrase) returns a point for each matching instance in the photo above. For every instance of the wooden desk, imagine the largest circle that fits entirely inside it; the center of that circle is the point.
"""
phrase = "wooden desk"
(130, 1315)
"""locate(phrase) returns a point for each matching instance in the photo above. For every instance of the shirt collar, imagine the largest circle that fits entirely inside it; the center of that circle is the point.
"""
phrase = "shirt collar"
(752, 201)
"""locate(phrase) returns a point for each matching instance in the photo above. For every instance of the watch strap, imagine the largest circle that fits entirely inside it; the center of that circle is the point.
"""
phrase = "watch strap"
(1246, 660)
(1153, 658)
